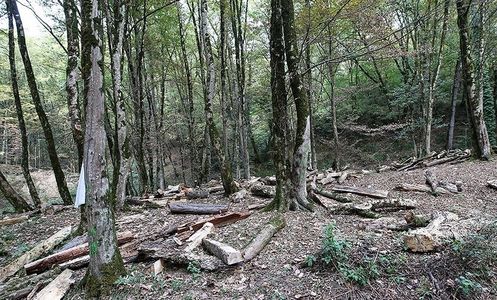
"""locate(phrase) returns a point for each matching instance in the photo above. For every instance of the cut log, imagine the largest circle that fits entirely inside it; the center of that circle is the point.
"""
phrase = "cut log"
(370, 209)
(492, 184)
(218, 221)
(438, 161)
(216, 189)
(406, 187)
(335, 196)
(21, 287)
(147, 203)
(343, 177)
(431, 181)
(263, 238)
(430, 237)
(265, 191)
(360, 191)
(197, 194)
(69, 254)
(83, 261)
(157, 267)
(10, 221)
(196, 239)
(224, 252)
(56, 289)
(258, 206)
(197, 208)
(38, 250)
(238, 196)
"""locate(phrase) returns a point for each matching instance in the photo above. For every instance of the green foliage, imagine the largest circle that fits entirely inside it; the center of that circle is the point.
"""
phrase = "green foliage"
(277, 295)
(467, 286)
(489, 110)
(333, 249)
(194, 269)
(310, 260)
(176, 284)
(134, 277)
(21, 249)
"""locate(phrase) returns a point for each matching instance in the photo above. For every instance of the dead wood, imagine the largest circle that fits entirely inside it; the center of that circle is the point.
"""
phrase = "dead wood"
(218, 221)
(196, 239)
(360, 191)
(197, 193)
(56, 289)
(69, 254)
(370, 209)
(262, 239)
(265, 191)
(14, 220)
(197, 208)
(224, 252)
(335, 196)
(492, 184)
(38, 250)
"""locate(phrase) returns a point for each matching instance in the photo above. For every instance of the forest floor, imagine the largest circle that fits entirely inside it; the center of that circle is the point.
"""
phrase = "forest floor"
(378, 264)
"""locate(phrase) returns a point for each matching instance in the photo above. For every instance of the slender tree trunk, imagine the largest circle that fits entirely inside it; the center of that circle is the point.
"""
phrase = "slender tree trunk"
(72, 32)
(313, 159)
(474, 103)
(106, 263)
(302, 136)
(336, 144)
(456, 85)
(20, 116)
(279, 106)
(226, 173)
(16, 200)
(45, 124)
(495, 93)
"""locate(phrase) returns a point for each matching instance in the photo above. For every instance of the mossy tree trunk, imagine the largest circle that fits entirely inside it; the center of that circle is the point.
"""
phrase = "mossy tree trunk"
(20, 116)
(45, 124)
(474, 103)
(16, 200)
(279, 107)
(226, 172)
(298, 191)
(106, 263)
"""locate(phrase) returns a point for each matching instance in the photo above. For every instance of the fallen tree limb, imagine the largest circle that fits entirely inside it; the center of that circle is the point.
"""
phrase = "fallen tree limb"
(265, 191)
(196, 193)
(406, 187)
(38, 250)
(69, 254)
(370, 209)
(56, 289)
(263, 238)
(10, 221)
(224, 252)
(218, 221)
(335, 196)
(197, 208)
(20, 287)
(360, 191)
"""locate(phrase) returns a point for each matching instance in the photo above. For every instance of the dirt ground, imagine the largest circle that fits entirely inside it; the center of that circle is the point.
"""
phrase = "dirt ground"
(280, 271)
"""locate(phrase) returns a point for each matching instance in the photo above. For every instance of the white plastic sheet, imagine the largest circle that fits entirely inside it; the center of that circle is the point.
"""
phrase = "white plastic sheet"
(81, 190)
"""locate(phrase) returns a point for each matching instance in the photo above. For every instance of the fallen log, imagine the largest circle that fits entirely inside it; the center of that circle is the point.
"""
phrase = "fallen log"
(224, 252)
(21, 287)
(370, 209)
(335, 196)
(330, 177)
(197, 208)
(196, 239)
(216, 189)
(238, 196)
(56, 289)
(492, 184)
(196, 194)
(218, 221)
(67, 255)
(432, 236)
(269, 180)
(10, 221)
(38, 250)
(263, 238)
(147, 203)
(360, 191)
(343, 177)
(438, 161)
(430, 181)
(406, 187)
(265, 191)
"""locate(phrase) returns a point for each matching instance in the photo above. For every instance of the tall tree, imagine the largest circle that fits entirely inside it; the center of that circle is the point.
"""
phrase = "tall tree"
(298, 192)
(279, 107)
(474, 102)
(16, 200)
(45, 124)
(106, 263)
(226, 172)
(20, 116)
(456, 86)
(72, 33)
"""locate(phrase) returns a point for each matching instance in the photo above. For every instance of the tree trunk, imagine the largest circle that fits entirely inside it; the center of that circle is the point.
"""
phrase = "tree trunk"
(279, 106)
(474, 103)
(72, 32)
(302, 136)
(45, 124)
(106, 263)
(16, 200)
(115, 25)
(226, 173)
(20, 116)
(313, 162)
(332, 72)
(456, 85)
(495, 92)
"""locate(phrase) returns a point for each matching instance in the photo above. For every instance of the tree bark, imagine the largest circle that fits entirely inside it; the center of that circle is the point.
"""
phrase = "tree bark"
(106, 263)
(72, 32)
(279, 106)
(20, 116)
(45, 124)
(474, 103)
(302, 136)
(16, 200)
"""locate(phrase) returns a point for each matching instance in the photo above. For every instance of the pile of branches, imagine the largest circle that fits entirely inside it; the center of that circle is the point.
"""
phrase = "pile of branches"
(451, 157)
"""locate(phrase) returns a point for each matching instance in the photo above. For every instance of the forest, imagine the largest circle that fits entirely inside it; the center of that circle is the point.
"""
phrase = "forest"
(248, 149)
